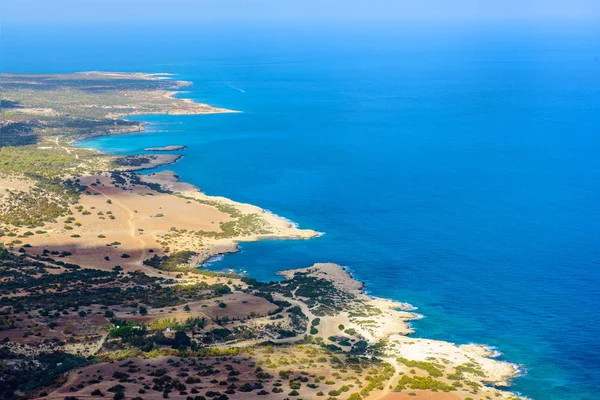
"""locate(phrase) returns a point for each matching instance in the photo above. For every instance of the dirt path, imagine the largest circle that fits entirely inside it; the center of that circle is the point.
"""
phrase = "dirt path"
(391, 383)
(254, 342)
(130, 222)
(63, 147)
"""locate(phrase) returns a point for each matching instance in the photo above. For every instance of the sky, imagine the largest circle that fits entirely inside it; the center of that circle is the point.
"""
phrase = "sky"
(291, 10)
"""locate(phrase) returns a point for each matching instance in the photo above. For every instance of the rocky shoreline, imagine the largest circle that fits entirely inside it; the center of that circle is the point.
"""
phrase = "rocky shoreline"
(165, 148)
(109, 283)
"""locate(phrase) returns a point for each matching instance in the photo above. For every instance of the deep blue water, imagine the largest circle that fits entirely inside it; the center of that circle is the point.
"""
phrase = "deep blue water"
(455, 168)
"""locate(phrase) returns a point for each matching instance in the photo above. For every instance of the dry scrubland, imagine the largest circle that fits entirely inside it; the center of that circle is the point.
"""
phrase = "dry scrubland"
(100, 296)
(121, 221)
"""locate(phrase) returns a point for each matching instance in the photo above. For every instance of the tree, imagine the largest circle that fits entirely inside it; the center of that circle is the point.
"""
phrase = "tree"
(181, 339)
(143, 310)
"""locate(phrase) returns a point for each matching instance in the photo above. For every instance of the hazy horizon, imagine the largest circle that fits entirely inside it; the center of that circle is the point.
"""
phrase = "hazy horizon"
(290, 10)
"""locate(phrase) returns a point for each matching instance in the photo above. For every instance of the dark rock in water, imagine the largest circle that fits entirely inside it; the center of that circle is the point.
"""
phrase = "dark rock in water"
(165, 148)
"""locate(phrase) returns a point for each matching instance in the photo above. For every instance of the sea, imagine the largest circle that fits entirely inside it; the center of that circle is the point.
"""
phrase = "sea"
(455, 167)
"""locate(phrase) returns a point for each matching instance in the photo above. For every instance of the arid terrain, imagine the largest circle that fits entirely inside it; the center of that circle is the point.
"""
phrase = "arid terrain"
(101, 294)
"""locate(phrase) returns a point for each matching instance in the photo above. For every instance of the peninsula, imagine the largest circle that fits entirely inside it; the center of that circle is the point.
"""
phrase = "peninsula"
(101, 295)
(165, 148)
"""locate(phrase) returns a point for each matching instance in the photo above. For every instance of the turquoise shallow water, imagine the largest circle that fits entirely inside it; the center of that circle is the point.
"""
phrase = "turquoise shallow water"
(453, 168)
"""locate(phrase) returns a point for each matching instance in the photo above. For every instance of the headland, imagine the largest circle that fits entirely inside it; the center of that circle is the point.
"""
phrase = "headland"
(101, 294)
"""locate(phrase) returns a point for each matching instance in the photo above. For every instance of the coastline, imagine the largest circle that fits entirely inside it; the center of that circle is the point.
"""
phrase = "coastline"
(166, 148)
(159, 221)
(151, 161)
(157, 212)
(283, 228)
(391, 326)
(405, 311)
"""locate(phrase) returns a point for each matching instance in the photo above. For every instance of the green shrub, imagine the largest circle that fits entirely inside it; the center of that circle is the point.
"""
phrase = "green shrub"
(431, 368)
(423, 383)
